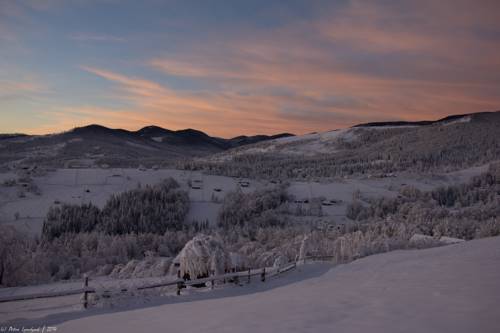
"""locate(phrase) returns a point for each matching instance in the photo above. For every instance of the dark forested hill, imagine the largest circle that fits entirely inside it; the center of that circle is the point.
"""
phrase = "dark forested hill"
(98, 145)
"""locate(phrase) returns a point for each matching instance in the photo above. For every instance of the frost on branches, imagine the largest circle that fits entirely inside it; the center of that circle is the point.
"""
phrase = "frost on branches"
(202, 256)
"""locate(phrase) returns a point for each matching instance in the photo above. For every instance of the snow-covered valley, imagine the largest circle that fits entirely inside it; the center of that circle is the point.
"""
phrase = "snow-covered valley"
(94, 185)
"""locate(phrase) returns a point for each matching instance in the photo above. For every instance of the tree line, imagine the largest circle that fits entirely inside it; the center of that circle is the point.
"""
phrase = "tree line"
(151, 209)
(465, 211)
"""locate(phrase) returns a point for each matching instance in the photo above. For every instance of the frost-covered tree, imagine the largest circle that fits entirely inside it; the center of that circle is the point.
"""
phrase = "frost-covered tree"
(202, 256)
(150, 209)
(15, 255)
(256, 209)
(70, 219)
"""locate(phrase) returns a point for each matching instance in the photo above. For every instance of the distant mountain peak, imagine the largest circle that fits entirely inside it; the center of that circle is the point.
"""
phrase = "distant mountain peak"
(153, 130)
(92, 128)
(190, 131)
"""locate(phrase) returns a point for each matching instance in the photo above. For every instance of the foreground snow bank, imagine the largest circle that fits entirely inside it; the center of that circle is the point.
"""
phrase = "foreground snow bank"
(447, 289)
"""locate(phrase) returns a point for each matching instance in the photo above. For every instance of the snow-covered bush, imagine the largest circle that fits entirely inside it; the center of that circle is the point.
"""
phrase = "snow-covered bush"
(280, 261)
(423, 241)
(147, 267)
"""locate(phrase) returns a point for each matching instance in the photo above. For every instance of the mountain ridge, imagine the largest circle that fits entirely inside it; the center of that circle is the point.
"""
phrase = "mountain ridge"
(423, 122)
(96, 144)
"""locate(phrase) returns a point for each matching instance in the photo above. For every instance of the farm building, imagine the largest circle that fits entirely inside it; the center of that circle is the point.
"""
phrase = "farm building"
(197, 184)
(244, 183)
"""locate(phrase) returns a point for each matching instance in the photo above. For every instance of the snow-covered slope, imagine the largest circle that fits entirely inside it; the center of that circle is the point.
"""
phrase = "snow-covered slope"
(307, 144)
(376, 149)
(448, 289)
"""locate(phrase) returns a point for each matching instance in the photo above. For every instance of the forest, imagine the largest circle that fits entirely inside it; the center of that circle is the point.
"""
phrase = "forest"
(260, 226)
(152, 209)
(464, 211)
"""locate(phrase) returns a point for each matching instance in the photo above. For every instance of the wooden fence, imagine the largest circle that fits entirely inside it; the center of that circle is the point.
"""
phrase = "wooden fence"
(236, 277)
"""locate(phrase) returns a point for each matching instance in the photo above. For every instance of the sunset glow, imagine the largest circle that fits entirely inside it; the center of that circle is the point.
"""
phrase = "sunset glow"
(244, 67)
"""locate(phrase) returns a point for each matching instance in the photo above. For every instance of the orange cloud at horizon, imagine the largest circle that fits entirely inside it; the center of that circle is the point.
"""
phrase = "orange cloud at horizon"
(225, 114)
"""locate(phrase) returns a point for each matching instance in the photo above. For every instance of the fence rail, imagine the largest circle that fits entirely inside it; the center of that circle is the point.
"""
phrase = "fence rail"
(179, 283)
(45, 295)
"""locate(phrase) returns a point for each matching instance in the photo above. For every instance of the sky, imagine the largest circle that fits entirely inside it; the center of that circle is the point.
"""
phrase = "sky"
(244, 67)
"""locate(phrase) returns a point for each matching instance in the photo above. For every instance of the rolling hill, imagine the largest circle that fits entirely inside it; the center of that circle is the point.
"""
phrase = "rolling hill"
(452, 143)
(96, 145)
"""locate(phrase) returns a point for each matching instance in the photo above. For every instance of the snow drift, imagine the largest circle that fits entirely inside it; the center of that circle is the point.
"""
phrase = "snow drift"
(446, 289)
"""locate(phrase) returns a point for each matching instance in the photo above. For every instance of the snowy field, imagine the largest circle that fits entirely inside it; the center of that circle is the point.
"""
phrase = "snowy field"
(453, 288)
(97, 185)
(79, 186)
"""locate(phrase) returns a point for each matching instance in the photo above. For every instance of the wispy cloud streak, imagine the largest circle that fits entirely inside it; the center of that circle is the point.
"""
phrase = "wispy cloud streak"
(88, 37)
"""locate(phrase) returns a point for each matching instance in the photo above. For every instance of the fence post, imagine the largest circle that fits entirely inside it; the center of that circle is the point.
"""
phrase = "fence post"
(85, 292)
(179, 286)
(263, 275)
(236, 279)
(248, 281)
